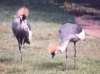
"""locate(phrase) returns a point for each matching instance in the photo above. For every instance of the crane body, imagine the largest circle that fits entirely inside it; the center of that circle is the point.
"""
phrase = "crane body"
(22, 28)
(69, 33)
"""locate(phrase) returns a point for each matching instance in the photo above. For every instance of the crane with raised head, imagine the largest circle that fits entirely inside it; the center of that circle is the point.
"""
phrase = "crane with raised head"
(21, 28)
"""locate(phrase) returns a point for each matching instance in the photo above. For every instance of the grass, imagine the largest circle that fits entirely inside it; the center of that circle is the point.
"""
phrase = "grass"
(36, 59)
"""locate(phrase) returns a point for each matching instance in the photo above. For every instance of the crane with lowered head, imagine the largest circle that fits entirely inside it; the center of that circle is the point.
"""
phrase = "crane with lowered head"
(68, 33)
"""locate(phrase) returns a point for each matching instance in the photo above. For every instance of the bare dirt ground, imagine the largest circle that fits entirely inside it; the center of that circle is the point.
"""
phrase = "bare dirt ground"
(4, 29)
(91, 24)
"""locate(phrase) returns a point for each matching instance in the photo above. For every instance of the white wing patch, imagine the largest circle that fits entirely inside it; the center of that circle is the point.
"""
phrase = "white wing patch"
(30, 35)
(81, 35)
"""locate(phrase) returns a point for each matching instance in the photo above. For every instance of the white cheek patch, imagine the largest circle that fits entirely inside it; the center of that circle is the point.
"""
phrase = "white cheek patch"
(30, 35)
(24, 24)
(81, 35)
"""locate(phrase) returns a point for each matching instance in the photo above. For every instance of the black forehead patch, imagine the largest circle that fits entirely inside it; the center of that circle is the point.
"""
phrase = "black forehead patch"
(23, 17)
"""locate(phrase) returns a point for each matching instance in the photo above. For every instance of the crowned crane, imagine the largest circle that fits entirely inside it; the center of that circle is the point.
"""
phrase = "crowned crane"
(68, 33)
(21, 28)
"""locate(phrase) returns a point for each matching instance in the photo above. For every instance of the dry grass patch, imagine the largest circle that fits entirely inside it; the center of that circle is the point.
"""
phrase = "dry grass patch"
(4, 29)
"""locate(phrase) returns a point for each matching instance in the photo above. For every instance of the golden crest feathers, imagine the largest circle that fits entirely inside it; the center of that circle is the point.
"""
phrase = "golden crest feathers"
(52, 47)
(23, 11)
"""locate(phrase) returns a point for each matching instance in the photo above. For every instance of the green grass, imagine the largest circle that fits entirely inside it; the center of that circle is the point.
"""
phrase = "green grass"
(36, 59)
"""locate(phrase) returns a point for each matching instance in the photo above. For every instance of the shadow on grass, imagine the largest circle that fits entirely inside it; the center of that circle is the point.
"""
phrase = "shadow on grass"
(71, 67)
(97, 62)
(50, 66)
(55, 66)
(6, 60)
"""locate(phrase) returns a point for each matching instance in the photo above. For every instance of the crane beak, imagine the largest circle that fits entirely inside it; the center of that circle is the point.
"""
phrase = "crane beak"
(53, 54)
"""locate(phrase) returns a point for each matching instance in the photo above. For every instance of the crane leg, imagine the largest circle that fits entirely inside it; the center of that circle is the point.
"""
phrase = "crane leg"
(21, 55)
(20, 51)
(66, 66)
(74, 54)
(66, 57)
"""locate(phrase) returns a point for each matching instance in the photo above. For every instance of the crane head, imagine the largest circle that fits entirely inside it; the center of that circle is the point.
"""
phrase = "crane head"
(23, 17)
(53, 49)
